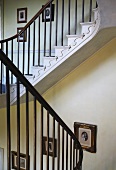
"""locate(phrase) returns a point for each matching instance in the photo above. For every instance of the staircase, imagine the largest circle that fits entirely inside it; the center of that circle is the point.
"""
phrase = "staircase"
(51, 144)
(40, 59)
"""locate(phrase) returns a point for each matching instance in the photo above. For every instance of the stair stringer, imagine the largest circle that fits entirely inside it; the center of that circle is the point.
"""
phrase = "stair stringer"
(53, 63)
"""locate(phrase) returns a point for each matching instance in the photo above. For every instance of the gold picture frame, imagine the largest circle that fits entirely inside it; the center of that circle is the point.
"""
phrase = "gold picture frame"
(86, 134)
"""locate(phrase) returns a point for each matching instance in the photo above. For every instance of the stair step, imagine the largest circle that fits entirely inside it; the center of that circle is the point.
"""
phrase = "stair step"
(60, 51)
(49, 61)
(75, 39)
(29, 77)
(37, 69)
(87, 27)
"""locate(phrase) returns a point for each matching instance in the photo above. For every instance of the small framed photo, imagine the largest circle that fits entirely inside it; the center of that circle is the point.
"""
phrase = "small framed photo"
(23, 36)
(48, 13)
(22, 160)
(52, 150)
(86, 134)
(21, 15)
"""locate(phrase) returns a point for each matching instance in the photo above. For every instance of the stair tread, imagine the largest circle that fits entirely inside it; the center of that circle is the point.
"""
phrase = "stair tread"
(73, 36)
(61, 47)
(87, 23)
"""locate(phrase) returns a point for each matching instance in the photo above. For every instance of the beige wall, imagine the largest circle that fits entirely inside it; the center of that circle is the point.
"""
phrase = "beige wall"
(10, 14)
(88, 94)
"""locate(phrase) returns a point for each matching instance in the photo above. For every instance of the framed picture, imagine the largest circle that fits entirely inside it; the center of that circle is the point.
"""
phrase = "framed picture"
(52, 150)
(86, 134)
(48, 13)
(21, 15)
(23, 36)
(22, 160)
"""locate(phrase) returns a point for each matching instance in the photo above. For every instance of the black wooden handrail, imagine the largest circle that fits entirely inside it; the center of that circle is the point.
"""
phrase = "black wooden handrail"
(28, 24)
(6, 61)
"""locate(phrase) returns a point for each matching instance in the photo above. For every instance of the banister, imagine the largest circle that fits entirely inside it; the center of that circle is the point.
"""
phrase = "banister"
(35, 93)
(28, 24)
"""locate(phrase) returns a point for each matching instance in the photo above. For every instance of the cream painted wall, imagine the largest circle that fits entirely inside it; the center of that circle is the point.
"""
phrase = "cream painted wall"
(88, 94)
(10, 14)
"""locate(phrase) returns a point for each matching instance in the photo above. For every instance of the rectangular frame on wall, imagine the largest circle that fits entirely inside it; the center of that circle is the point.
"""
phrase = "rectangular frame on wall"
(52, 149)
(22, 160)
(48, 15)
(23, 36)
(87, 135)
(21, 15)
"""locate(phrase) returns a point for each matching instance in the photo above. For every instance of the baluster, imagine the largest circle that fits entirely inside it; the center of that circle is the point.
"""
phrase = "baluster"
(24, 56)
(47, 140)
(18, 125)
(50, 37)
(75, 16)
(62, 29)
(8, 120)
(45, 35)
(41, 163)
(83, 10)
(39, 40)
(28, 49)
(7, 48)
(18, 54)
(96, 4)
(70, 153)
(69, 7)
(76, 158)
(35, 133)
(80, 154)
(73, 154)
(90, 11)
(53, 158)
(34, 43)
(1, 78)
(56, 22)
(2, 46)
(62, 148)
(12, 60)
(1, 71)
(58, 158)
(66, 151)
(27, 130)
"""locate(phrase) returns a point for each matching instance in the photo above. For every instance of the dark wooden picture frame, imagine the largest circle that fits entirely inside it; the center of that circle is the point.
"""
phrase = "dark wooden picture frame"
(23, 36)
(46, 13)
(21, 15)
(86, 134)
(22, 160)
(51, 151)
